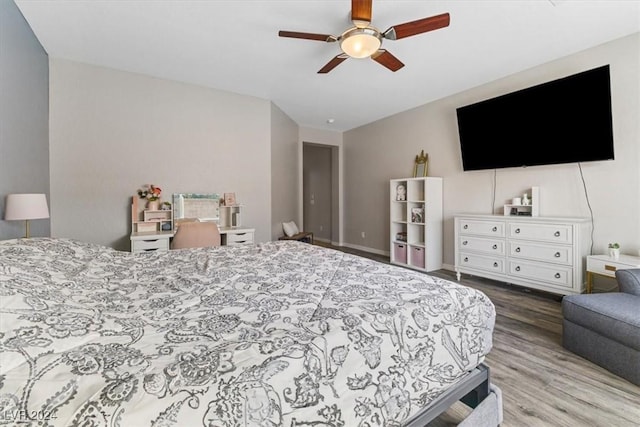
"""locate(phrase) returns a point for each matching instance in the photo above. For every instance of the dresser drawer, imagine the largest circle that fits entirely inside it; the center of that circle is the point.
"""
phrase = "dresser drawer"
(481, 262)
(540, 252)
(239, 238)
(556, 275)
(150, 245)
(479, 244)
(558, 233)
(481, 228)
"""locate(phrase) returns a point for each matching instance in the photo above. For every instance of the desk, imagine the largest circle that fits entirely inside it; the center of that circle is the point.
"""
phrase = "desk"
(604, 265)
(159, 240)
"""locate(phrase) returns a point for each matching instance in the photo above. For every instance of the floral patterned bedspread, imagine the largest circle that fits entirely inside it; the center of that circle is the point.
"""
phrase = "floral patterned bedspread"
(275, 334)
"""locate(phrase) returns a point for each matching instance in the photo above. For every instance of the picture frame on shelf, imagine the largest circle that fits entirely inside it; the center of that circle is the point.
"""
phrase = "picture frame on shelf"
(421, 164)
(229, 199)
(417, 215)
(401, 193)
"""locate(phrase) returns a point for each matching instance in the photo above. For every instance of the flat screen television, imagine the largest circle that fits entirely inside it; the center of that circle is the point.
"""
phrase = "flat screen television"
(567, 120)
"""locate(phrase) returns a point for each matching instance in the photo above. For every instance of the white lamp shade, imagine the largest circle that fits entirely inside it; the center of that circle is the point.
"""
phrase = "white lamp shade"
(26, 206)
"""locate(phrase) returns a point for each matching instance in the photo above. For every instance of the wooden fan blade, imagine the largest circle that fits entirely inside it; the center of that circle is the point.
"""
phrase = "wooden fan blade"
(308, 36)
(417, 27)
(333, 63)
(361, 12)
(384, 57)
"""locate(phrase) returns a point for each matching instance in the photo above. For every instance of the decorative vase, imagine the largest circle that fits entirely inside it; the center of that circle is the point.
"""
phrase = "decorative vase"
(614, 253)
(153, 205)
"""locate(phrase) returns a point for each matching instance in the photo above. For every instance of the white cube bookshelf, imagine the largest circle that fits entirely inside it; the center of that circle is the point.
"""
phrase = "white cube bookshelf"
(416, 217)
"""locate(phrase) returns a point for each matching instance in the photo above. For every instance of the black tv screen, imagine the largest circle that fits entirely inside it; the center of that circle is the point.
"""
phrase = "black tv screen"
(562, 121)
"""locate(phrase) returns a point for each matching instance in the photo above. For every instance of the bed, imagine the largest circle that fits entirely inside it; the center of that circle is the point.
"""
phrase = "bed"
(275, 334)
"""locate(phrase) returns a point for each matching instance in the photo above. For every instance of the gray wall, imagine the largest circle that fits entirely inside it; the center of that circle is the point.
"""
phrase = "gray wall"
(113, 131)
(24, 111)
(284, 171)
(385, 149)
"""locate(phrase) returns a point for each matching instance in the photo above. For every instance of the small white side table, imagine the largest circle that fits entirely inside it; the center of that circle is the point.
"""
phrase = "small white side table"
(604, 265)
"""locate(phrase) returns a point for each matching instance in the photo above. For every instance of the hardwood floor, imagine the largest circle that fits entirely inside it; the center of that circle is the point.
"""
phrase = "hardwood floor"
(542, 383)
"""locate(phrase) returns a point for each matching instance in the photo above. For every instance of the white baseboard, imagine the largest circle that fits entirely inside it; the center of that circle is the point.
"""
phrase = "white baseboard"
(367, 249)
(448, 267)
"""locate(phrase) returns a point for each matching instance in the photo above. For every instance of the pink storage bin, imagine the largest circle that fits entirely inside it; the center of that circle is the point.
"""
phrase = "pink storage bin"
(400, 252)
(417, 256)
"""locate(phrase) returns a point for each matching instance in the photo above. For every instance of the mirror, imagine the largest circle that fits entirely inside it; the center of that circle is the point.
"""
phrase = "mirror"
(203, 207)
(420, 165)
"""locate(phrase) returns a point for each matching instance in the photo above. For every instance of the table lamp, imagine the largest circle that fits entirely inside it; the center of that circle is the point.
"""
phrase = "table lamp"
(26, 207)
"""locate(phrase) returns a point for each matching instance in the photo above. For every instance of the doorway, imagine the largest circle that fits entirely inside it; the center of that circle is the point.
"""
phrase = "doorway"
(320, 206)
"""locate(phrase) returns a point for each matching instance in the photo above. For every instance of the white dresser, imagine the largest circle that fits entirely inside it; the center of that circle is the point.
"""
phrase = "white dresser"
(543, 253)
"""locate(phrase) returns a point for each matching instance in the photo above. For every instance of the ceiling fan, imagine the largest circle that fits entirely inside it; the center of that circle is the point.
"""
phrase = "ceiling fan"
(364, 41)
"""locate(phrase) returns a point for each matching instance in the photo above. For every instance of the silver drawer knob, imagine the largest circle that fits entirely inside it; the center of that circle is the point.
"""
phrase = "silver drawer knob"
(557, 254)
(557, 234)
(518, 268)
(494, 229)
(495, 264)
(495, 246)
(465, 243)
(557, 275)
(466, 259)
(465, 226)
(517, 231)
(517, 249)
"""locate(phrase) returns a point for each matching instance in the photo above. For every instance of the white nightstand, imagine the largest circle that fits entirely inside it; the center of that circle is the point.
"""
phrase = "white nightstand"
(604, 265)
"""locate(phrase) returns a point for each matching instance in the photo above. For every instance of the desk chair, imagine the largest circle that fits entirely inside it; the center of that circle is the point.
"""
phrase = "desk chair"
(196, 235)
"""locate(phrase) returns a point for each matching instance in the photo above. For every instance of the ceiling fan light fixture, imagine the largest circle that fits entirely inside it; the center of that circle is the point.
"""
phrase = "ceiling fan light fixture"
(360, 42)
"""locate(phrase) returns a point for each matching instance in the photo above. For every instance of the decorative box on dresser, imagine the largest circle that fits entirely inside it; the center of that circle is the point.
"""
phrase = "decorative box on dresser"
(416, 216)
(542, 253)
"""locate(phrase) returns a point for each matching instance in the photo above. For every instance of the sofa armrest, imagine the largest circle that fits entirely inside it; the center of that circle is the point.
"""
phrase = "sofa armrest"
(629, 280)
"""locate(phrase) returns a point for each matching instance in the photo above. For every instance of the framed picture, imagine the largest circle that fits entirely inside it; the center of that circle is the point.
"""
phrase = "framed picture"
(420, 165)
(401, 192)
(229, 199)
(417, 215)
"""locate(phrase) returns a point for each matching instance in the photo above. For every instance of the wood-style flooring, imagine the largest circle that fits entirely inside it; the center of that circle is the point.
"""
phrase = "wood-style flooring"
(542, 383)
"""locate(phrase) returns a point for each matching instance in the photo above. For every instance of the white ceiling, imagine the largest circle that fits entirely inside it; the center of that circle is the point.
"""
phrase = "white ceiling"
(234, 46)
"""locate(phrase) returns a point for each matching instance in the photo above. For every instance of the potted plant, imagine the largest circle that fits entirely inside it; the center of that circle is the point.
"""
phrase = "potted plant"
(614, 250)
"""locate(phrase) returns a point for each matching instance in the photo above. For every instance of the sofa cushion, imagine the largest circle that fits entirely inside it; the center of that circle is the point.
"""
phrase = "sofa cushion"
(629, 280)
(614, 315)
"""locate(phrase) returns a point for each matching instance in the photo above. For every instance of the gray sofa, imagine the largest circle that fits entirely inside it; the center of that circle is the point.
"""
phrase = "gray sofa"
(605, 328)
